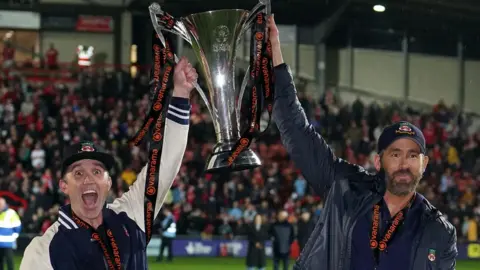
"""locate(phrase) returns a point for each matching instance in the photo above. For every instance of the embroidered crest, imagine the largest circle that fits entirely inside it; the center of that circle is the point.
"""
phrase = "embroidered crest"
(87, 148)
(431, 255)
(404, 129)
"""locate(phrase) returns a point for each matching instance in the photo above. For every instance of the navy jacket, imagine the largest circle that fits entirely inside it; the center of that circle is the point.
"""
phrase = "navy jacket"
(283, 236)
(67, 246)
(350, 193)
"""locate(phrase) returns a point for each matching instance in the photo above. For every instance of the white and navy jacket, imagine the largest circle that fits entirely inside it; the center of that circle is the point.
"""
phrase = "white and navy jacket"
(65, 245)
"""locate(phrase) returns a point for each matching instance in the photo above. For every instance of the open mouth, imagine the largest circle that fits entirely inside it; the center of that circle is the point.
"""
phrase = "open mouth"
(90, 198)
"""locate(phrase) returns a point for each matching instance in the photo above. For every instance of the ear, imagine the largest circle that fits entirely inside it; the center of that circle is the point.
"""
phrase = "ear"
(109, 182)
(425, 160)
(378, 162)
(63, 186)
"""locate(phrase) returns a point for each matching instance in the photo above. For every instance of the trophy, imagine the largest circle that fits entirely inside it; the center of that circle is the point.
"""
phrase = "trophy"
(215, 37)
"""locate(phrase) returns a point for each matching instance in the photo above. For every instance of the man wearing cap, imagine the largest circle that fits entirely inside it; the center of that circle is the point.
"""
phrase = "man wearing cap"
(90, 235)
(369, 221)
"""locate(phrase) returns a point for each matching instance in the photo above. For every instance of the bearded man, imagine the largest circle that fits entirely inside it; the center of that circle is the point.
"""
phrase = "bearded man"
(370, 221)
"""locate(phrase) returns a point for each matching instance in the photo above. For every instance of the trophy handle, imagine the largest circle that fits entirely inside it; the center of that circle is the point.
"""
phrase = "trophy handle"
(268, 6)
(178, 29)
(262, 5)
(155, 10)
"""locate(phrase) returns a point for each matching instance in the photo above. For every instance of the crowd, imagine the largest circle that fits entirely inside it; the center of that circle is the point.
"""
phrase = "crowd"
(36, 121)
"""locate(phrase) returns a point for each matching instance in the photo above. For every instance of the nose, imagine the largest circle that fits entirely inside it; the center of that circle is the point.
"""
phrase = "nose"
(403, 163)
(88, 179)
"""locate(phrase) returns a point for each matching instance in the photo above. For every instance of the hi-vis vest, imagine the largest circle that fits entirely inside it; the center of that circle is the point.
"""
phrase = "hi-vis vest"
(10, 226)
(84, 56)
(171, 231)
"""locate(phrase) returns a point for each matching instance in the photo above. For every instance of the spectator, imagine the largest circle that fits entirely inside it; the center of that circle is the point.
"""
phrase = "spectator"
(52, 57)
(225, 229)
(249, 213)
(168, 232)
(37, 157)
(300, 186)
(10, 227)
(8, 55)
(236, 212)
(283, 235)
(257, 237)
(305, 227)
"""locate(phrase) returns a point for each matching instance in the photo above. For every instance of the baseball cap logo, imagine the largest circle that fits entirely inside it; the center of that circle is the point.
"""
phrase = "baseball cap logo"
(87, 148)
(404, 129)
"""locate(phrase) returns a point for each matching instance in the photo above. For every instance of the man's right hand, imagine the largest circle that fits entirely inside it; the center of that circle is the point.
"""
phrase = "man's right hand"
(274, 39)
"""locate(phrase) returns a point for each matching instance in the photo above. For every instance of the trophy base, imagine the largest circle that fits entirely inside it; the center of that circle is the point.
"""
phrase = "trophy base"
(217, 162)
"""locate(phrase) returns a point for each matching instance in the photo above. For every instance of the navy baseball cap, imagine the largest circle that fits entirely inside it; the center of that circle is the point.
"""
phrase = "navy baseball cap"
(400, 130)
(86, 150)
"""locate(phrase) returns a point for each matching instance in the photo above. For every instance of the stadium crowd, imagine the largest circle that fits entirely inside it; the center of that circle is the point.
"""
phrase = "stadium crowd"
(37, 120)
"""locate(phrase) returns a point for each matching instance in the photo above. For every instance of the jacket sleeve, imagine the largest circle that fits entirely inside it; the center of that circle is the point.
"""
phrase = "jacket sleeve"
(175, 142)
(447, 260)
(307, 148)
(35, 257)
(37, 253)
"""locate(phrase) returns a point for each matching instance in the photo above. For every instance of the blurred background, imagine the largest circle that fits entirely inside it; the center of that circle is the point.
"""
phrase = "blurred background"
(78, 69)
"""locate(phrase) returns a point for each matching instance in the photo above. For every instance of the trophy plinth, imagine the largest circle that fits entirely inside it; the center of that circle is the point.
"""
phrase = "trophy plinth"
(218, 160)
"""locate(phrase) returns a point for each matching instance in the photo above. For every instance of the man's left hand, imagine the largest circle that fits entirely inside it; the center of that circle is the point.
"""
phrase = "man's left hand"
(184, 78)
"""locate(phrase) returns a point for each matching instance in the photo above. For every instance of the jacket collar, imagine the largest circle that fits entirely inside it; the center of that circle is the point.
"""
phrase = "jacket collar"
(70, 221)
(65, 217)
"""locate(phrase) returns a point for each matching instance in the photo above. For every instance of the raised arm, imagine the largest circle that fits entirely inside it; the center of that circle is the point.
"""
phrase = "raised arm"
(174, 144)
(175, 141)
(306, 147)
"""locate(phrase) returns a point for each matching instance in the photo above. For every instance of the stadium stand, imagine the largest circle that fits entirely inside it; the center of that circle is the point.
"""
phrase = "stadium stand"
(38, 119)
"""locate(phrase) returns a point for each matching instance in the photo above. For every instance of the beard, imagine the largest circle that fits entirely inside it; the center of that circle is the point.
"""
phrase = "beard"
(401, 188)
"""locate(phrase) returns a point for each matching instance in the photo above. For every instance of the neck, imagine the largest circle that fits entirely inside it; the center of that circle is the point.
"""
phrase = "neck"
(396, 203)
(93, 222)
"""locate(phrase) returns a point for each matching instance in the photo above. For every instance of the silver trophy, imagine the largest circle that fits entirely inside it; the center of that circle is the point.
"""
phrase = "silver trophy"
(215, 37)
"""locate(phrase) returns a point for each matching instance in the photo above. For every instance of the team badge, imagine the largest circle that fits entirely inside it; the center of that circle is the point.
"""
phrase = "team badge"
(431, 255)
(404, 129)
(87, 148)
